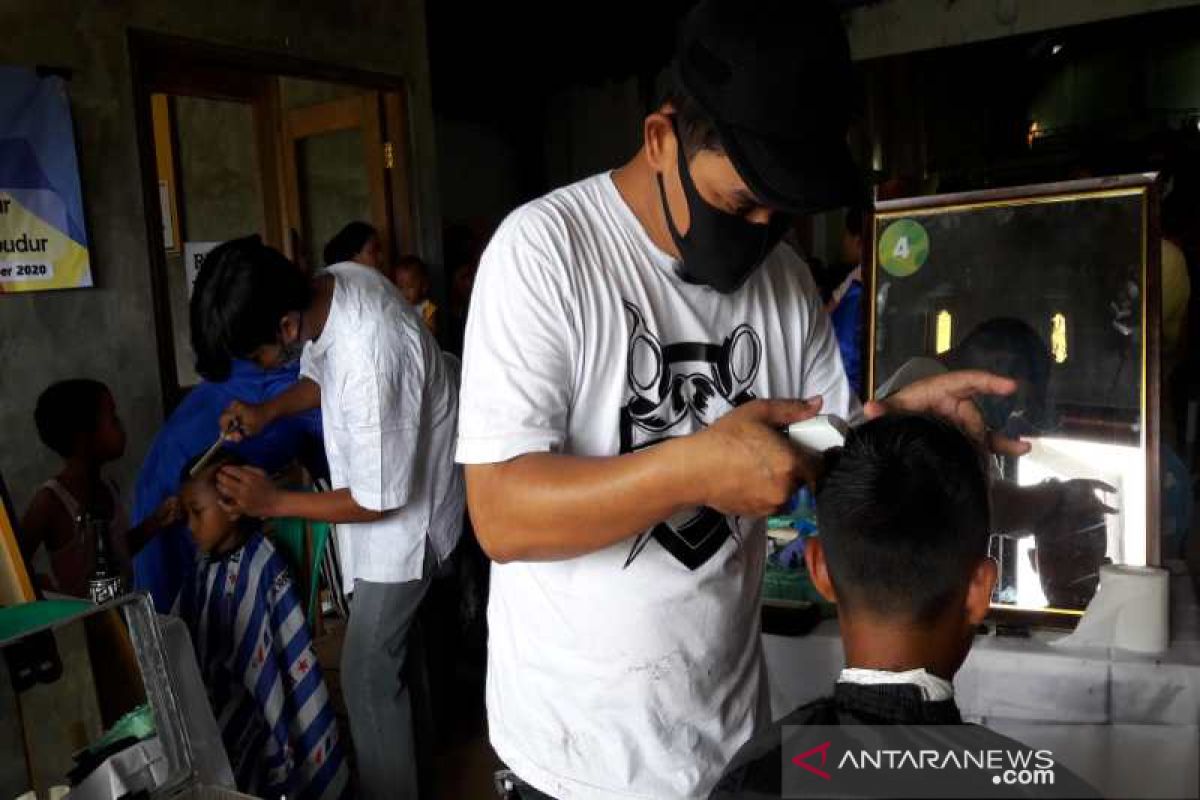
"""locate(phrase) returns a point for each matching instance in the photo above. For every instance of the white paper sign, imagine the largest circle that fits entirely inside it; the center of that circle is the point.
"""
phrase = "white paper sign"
(194, 254)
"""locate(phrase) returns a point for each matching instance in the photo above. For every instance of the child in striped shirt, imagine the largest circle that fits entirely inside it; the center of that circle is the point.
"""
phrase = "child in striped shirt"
(255, 653)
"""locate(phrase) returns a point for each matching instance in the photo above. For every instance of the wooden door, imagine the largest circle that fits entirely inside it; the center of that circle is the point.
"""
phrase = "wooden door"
(339, 166)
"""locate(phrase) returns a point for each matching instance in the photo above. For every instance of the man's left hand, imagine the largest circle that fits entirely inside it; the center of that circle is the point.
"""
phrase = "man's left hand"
(248, 491)
(951, 396)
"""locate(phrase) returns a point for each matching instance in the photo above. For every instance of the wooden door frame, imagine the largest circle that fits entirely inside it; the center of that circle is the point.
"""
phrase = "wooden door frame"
(160, 62)
(397, 127)
(354, 112)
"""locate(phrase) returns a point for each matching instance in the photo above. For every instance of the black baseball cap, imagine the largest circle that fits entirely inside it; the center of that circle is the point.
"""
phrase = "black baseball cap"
(776, 78)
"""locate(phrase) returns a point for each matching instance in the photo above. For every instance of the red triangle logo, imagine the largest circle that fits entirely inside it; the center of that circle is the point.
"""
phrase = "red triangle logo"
(802, 760)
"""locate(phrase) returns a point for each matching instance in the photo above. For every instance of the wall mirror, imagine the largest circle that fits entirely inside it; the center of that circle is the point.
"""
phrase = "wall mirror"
(1050, 285)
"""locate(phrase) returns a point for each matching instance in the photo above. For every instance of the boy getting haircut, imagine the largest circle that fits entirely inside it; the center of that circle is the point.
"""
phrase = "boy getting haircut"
(903, 522)
(903, 516)
(255, 652)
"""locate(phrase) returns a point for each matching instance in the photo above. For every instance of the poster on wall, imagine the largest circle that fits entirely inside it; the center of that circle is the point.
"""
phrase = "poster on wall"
(43, 244)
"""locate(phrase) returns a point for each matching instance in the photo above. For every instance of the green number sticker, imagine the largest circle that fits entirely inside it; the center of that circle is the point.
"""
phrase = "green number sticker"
(903, 247)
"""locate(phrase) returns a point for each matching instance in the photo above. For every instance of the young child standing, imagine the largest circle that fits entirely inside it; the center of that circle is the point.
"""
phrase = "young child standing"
(411, 277)
(78, 420)
(255, 652)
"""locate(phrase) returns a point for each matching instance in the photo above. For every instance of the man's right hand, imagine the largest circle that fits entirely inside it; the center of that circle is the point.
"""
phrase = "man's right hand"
(551, 506)
(244, 420)
(748, 467)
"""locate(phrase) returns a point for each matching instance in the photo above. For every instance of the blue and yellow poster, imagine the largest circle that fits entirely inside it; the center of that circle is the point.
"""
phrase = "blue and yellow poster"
(43, 244)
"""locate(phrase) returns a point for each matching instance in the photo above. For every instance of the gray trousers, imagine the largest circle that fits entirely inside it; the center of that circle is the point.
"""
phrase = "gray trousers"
(377, 696)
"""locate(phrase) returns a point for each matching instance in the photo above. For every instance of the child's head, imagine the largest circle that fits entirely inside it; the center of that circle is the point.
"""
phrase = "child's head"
(903, 518)
(1011, 348)
(78, 419)
(411, 277)
(214, 529)
(247, 303)
(358, 242)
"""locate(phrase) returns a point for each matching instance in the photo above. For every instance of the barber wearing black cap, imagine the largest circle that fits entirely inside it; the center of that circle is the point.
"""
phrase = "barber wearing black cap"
(634, 344)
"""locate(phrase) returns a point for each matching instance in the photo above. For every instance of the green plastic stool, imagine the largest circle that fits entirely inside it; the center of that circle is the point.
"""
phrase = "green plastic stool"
(288, 534)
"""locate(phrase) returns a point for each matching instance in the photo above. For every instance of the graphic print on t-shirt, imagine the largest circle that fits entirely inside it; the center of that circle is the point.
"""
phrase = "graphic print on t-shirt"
(674, 390)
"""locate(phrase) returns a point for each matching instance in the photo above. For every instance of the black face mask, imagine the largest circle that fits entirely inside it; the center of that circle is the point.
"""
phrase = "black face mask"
(290, 352)
(720, 249)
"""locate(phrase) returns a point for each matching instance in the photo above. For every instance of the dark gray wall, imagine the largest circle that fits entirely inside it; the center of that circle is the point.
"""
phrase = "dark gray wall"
(219, 194)
(890, 27)
(108, 332)
(591, 129)
(478, 170)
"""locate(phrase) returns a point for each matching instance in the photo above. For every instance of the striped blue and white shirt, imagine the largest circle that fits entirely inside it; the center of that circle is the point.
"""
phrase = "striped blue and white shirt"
(266, 688)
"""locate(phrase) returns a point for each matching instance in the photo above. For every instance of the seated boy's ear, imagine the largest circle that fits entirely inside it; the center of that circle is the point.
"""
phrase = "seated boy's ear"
(979, 593)
(818, 571)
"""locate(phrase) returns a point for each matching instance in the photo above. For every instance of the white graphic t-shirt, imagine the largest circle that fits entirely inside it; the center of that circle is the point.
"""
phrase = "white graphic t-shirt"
(635, 671)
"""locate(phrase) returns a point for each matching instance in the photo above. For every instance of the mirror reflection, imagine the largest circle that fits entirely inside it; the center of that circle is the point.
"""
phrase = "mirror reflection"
(1049, 290)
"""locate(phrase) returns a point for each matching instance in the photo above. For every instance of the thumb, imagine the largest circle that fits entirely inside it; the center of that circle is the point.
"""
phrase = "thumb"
(779, 413)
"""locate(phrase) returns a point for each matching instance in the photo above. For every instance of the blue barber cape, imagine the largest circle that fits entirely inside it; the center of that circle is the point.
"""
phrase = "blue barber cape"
(262, 676)
(170, 556)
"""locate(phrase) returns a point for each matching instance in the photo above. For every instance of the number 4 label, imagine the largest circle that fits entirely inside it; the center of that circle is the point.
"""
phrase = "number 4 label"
(903, 247)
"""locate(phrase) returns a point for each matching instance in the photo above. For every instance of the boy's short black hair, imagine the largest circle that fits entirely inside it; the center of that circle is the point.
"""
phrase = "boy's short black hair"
(348, 242)
(243, 290)
(222, 458)
(1006, 346)
(67, 410)
(693, 124)
(903, 516)
(1013, 349)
